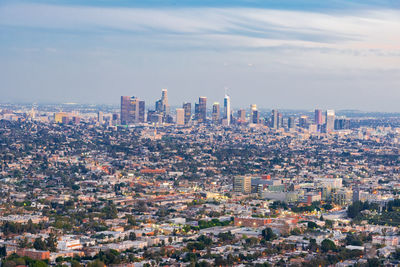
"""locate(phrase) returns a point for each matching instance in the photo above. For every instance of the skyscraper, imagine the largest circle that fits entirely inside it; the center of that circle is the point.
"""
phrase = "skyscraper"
(216, 113)
(303, 122)
(142, 111)
(255, 117)
(330, 121)
(280, 120)
(275, 119)
(164, 101)
(202, 109)
(291, 123)
(318, 117)
(180, 116)
(115, 118)
(241, 116)
(159, 107)
(100, 117)
(196, 111)
(227, 109)
(342, 124)
(253, 107)
(129, 110)
(188, 112)
(162, 106)
(125, 103)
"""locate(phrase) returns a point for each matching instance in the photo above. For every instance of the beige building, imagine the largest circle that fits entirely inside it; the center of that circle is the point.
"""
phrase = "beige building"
(242, 184)
(180, 116)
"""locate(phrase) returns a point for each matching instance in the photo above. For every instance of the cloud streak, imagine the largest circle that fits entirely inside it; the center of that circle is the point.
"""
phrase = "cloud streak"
(273, 57)
(229, 27)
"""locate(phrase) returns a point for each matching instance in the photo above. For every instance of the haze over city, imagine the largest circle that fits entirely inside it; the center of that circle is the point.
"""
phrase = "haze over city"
(278, 54)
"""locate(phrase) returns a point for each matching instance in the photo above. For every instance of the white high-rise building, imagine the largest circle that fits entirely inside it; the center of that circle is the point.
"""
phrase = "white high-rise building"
(227, 109)
(164, 101)
(330, 120)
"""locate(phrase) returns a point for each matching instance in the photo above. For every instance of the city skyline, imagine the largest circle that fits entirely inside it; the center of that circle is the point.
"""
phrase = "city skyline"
(339, 55)
(133, 112)
(199, 133)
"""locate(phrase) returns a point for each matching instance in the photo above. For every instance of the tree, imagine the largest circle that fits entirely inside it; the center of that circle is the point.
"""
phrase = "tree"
(75, 187)
(328, 224)
(38, 264)
(353, 240)
(313, 245)
(268, 234)
(295, 231)
(328, 245)
(9, 264)
(374, 262)
(132, 236)
(39, 244)
(75, 263)
(312, 225)
(206, 240)
(141, 206)
(51, 242)
(396, 254)
(131, 220)
(3, 252)
(23, 243)
(110, 211)
(96, 263)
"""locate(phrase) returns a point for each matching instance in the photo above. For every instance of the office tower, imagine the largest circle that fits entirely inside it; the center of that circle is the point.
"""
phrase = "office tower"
(162, 107)
(164, 101)
(241, 116)
(115, 118)
(58, 116)
(330, 121)
(275, 119)
(125, 103)
(303, 122)
(76, 119)
(318, 117)
(253, 107)
(202, 109)
(180, 116)
(100, 117)
(255, 117)
(291, 122)
(242, 184)
(157, 118)
(342, 124)
(280, 120)
(129, 110)
(196, 111)
(150, 115)
(142, 111)
(188, 111)
(227, 109)
(216, 113)
(158, 106)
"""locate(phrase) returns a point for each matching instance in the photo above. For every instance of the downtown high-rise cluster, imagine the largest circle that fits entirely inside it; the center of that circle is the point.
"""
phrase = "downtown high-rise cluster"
(133, 112)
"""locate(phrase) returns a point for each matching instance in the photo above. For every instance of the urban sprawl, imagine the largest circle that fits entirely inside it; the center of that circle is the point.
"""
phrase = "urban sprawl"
(201, 185)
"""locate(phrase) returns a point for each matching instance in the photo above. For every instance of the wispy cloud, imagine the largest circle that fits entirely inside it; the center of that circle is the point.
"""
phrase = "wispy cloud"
(229, 27)
(293, 56)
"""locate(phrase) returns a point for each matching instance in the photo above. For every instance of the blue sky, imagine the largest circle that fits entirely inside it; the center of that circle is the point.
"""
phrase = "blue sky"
(277, 54)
